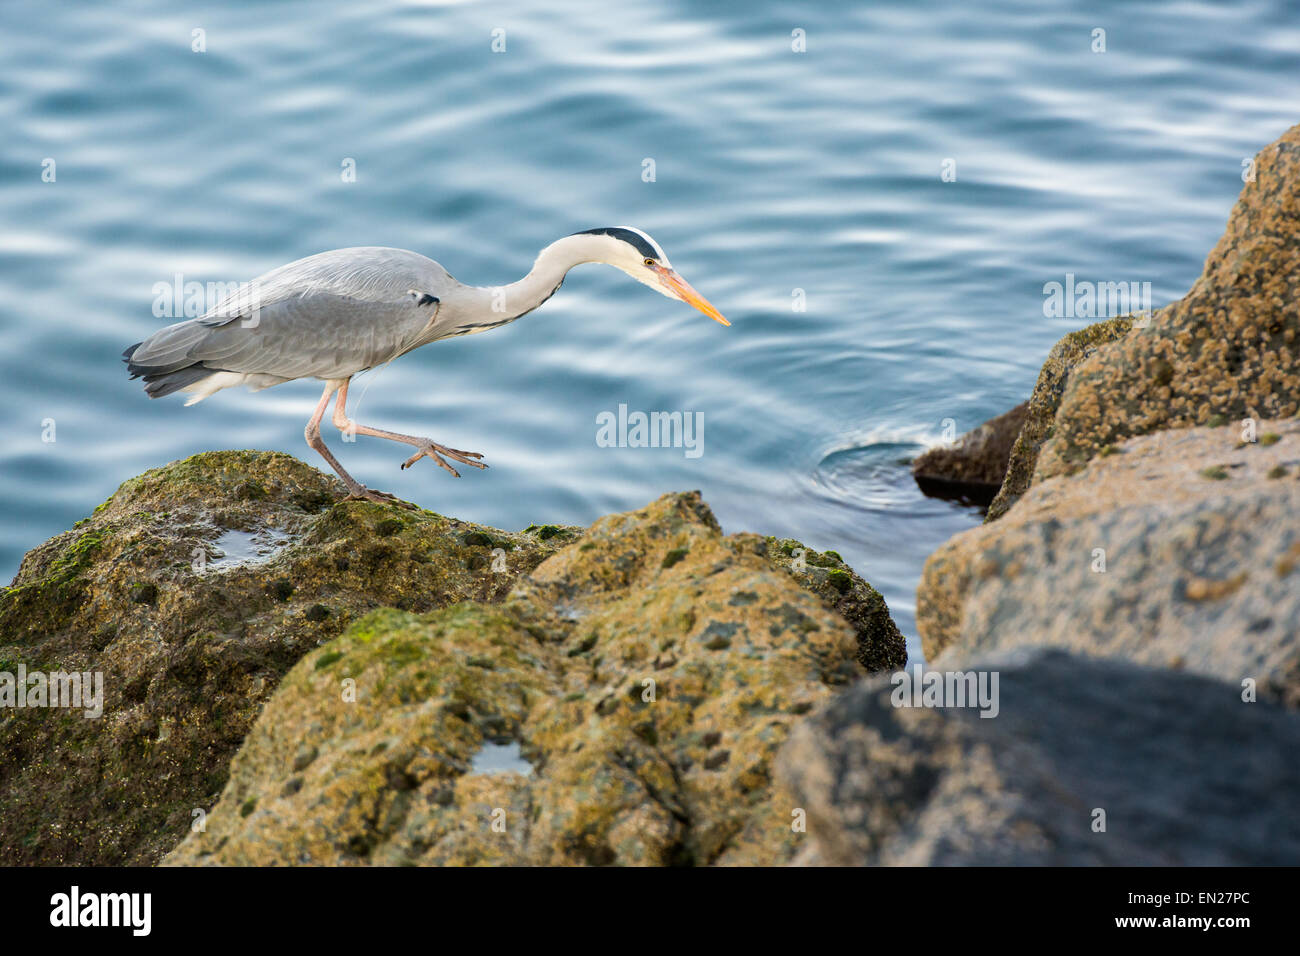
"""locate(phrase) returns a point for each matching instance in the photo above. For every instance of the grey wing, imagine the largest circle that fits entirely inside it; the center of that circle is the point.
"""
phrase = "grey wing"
(318, 335)
(329, 316)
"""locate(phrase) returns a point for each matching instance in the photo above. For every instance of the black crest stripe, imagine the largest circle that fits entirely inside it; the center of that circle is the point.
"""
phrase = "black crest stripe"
(627, 235)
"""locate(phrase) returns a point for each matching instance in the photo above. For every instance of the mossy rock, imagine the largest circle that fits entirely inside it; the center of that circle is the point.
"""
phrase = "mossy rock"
(547, 531)
(881, 645)
(192, 648)
(201, 649)
(649, 696)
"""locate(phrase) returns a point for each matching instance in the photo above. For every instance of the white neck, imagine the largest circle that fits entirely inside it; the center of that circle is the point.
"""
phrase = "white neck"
(509, 302)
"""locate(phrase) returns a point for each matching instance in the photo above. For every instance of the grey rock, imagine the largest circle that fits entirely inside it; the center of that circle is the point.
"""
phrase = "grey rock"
(1201, 551)
(1186, 772)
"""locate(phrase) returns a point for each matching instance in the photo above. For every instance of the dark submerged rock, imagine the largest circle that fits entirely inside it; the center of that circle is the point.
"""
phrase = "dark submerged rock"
(1185, 772)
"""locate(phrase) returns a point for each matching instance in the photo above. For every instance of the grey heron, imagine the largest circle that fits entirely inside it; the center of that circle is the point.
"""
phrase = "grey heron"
(335, 314)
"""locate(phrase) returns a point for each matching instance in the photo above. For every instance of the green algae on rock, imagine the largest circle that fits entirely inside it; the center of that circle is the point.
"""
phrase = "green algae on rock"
(881, 645)
(191, 645)
(649, 695)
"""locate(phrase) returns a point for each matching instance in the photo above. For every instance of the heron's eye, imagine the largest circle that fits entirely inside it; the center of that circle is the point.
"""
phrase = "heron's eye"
(650, 263)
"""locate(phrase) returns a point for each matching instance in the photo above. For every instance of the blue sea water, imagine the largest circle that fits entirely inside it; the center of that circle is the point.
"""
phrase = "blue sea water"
(774, 171)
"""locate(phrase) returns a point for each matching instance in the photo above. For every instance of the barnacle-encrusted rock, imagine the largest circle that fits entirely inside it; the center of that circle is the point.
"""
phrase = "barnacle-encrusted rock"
(1229, 349)
(1040, 411)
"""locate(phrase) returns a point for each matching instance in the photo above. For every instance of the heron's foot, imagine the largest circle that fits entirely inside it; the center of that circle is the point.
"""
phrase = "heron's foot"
(434, 452)
(362, 493)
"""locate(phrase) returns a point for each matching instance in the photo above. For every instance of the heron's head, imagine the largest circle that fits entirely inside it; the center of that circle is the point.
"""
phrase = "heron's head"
(635, 253)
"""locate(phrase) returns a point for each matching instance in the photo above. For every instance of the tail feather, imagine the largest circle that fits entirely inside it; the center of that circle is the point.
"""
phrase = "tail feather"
(164, 380)
(126, 357)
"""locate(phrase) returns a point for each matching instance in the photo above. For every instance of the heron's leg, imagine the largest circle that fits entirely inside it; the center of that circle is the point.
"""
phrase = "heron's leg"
(428, 447)
(356, 490)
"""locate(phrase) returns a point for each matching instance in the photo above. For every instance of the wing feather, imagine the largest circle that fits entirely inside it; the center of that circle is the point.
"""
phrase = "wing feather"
(327, 316)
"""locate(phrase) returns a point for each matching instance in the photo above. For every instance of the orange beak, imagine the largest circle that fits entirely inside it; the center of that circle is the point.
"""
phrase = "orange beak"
(682, 289)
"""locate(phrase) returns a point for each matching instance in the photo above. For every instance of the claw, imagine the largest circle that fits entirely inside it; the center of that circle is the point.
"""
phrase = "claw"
(435, 453)
(464, 457)
(432, 456)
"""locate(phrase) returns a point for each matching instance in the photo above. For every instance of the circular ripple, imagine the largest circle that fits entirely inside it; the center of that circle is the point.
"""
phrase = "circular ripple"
(875, 474)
